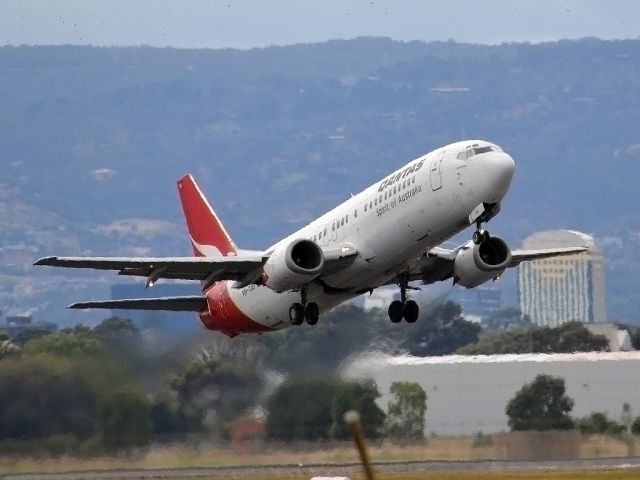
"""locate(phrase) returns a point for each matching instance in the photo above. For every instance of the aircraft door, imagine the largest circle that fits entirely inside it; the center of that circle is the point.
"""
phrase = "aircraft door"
(436, 172)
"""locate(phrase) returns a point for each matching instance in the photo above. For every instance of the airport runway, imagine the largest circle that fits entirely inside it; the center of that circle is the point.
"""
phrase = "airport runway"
(331, 469)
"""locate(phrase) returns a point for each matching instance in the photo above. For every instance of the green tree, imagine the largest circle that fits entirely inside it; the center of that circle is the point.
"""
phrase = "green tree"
(599, 422)
(574, 337)
(117, 331)
(340, 333)
(635, 338)
(47, 395)
(441, 330)
(359, 396)
(313, 409)
(635, 426)
(125, 419)
(541, 405)
(165, 417)
(301, 410)
(213, 390)
(80, 330)
(567, 338)
(406, 412)
(30, 334)
(7, 348)
(65, 344)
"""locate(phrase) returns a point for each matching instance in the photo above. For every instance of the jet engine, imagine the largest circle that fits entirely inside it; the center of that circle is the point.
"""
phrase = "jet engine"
(476, 264)
(291, 266)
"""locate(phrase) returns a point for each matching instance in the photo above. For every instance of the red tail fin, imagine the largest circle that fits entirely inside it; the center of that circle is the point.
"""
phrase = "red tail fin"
(208, 236)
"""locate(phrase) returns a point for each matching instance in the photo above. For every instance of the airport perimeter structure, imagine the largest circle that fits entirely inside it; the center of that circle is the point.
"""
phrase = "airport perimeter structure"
(469, 393)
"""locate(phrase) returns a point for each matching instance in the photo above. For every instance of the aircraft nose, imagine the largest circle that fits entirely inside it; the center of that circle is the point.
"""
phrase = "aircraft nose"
(499, 168)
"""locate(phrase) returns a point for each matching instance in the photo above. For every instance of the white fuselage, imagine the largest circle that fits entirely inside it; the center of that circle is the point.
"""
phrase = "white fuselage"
(390, 224)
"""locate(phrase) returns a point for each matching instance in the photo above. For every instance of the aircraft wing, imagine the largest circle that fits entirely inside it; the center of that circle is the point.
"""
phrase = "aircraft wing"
(194, 303)
(244, 268)
(207, 269)
(518, 256)
(438, 263)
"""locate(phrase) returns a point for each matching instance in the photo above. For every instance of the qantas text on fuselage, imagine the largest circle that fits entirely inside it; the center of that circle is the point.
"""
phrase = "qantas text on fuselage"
(387, 234)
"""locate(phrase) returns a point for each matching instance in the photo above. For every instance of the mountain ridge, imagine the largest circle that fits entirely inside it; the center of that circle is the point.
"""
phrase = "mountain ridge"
(277, 136)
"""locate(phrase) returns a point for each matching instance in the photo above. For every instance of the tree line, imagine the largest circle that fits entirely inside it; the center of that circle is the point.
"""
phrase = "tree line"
(103, 390)
(543, 404)
(110, 388)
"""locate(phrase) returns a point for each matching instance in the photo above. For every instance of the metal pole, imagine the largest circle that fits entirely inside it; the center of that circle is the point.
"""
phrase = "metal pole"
(353, 420)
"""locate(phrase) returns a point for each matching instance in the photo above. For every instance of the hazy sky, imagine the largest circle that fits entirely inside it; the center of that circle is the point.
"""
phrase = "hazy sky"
(245, 24)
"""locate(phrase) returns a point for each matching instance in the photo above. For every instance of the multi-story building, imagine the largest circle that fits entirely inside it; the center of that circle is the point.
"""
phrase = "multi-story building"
(557, 290)
(478, 302)
(17, 324)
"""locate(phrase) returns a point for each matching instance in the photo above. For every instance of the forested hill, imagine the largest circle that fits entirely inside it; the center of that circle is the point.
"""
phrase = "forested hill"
(93, 139)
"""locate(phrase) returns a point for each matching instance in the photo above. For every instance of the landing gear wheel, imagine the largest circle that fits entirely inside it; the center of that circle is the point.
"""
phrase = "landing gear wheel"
(480, 236)
(312, 313)
(411, 311)
(296, 314)
(396, 310)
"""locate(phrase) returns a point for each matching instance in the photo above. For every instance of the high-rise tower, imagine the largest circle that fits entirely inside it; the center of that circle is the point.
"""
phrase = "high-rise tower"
(562, 289)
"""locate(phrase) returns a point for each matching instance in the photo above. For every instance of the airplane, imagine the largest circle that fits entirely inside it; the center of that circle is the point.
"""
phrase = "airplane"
(387, 234)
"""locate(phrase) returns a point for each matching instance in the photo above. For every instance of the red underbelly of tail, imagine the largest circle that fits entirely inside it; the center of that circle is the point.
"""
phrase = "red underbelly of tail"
(225, 316)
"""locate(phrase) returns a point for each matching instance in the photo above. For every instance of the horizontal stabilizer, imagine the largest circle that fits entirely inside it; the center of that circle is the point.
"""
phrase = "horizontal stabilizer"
(193, 303)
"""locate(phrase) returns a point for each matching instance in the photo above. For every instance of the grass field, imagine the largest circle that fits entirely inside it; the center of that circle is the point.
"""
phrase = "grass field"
(527, 475)
(604, 474)
(205, 455)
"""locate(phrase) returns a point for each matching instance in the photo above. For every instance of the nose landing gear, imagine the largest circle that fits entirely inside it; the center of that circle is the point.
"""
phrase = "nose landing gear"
(403, 308)
(303, 311)
(480, 235)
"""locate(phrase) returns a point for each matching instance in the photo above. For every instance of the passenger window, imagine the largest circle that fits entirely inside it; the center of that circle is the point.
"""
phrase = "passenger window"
(346, 219)
(365, 207)
(370, 205)
(375, 201)
(325, 232)
(355, 213)
(380, 200)
(342, 222)
(394, 190)
(333, 226)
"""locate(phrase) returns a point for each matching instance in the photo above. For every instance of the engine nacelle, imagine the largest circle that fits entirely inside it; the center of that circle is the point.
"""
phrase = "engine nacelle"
(476, 264)
(291, 266)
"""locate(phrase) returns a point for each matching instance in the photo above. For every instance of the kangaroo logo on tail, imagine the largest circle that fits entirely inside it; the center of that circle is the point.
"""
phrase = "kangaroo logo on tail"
(208, 236)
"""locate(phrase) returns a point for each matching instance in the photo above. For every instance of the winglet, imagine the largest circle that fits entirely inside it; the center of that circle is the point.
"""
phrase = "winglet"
(208, 236)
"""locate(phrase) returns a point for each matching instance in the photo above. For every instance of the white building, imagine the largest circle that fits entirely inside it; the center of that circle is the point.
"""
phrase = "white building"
(467, 394)
(557, 290)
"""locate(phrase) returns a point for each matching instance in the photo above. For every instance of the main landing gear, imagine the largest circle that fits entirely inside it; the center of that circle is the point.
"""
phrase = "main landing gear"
(403, 308)
(303, 311)
(480, 235)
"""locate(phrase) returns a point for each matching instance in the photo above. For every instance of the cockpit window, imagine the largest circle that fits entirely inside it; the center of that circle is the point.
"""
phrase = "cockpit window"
(479, 150)
(470, 151)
